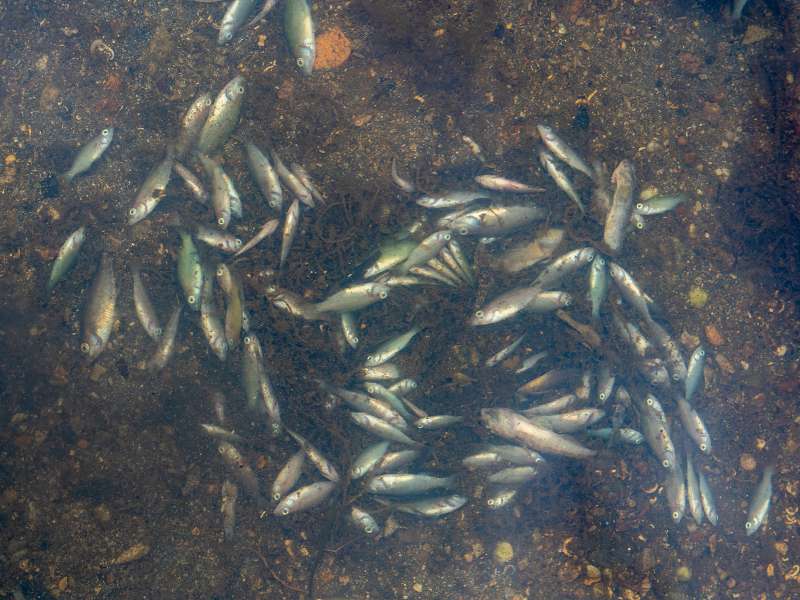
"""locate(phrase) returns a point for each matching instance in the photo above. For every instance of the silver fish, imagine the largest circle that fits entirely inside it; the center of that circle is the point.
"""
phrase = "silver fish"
(354, 297)
(548, 381)
(626, 434)
(694, 372)
(431, 507)
(301, 174)
(373, 406)
(527, 254)
(324, 466)
(656, 431)
(152, 190)
(598, 284)
(220, 433)
(407, 484)
(306, 497)
(67, 255)
(265, 176)
(192, 124)
(391, 254)
(569, 422)
(494, 221)
(760, 502)
(707, 498)
(501, 498)
(605, 383)
(452, 199)
(241, 470)
(221, 240)
(404, 184)
(425, 250)
(392, 461)
(350, 329)
(694, 426)
(235, 16)
(659, 204)
(560, 148)
(677, 366)
(675, 488)
(211, 319)
(437, 421)
(267, 229)
(192, 183)
(292, 181)
(222, 117)
(513, 475)
(549, 301)
(364, 520)
(89, 154)
(560, 404)
(390, 348)
(378, 391)
(561, 177)
(98, 320)
(220, 193)
(367, 459)
(630, 290)
(230, 493)
(288, 476)
(382, 429)
(530, 361)
(564, 265)
(290, 225)
(501, 184)
(693, 491)
(504, 352)
(619, 214)
(505, 306)
(144, 307)
(299, 29)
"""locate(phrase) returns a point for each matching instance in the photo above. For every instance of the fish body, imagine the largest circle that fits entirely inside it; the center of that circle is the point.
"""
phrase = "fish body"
(233, 20)
(561, 177)
(382, 429)
(290, 225)
(553, 407)
(626, 434)
(548, 301)
(378, 391)
(759, 504)
(354, 297)
(530, 361)
(437, 421)
(619, 214)
(693, 492)
(67, 256)
(192, 124)
(222, 116)
(563, 266)
(304, 498)
(390, 348)
(240, 470)
(221, 240)
(694, 373)
(211, 320)
(192, 183)
(152, 190)
(501, 498)
(390, 255)
(392, 461)
(373, 406)
(292, 181)
(190, 271)
(324, 466)
(431, 507)
(513, 475)
(656, 431)
(299, 29)
(707, 498)
(504, 352)
(675, 488)
(505, 306)
(550, 380)
(528, 254)
(267, 229)
(492, 221)
(288, 476)
(502, 184)
(98, 320)
(144, 307)
(598, 284)
(230, 493)
(659, 204)
(364, 521)
(560, 148)
(407, 484)
(452, 199)
(265, 176)
(425, 250)
(166, 343)
(630, 290)
(367, 459)
(90, 153)
(569, 422)
(694, 426)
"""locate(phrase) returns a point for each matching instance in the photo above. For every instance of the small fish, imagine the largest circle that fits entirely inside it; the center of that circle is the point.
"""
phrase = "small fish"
(659, 204)
(694, 426)
(89, 154)
(656, 431)
(241, 470)
(549, 301)
(431, 507)
(425, 250)
(528, 254)
(513, 475)
(560, 404)
(292, 303)
(67, 256)
(504, 352)
(530, 361)
(493, 221)
(563, 266)
(190, 271)
(760, 502)
(291, 181)
(233, 20)
(737, 8)
(404, 184)
(220, 193)
(378, 391)
(598, 284)
(630, 290)
(222, 116)
(707, 498)
(513, 426)
(501, 184)
(619, 214)
(290, 225)
(626, 434)
(505, 306)
(407, 484)
(501, 498)
(390, 348)
(211, 319)
(550, 380)
(354, 297)
(675, 488)
(560, 148)
(561, 177)
(267, 229)
(605, 383)
(382, 429)
(299, 29)
(192, 183)
(288, 476)
(272, 407)
(390, 255)
(252, 358)
(403, 387)
(693, 491)
(373, 406)
(570, 422)
(234, 304)
(265, 176)
(516, 455)
(192, 123)
(350, 329)
(166, 343)
(230, 492)
(392, 461)
(677, 366)
(306, 497)
(324, 466)
(301, 174)
(221, 240)
(694, 373)
(452, 199)
(218, 400)
(144, 307)
(234, 199)
(437, 421)
(152, 190)
(221, 433)
(631, 334)
(363, 520)
(367, 459)
(98, 319)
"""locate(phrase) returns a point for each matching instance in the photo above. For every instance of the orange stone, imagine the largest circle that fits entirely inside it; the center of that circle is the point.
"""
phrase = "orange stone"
(333, 49)
(715, 338)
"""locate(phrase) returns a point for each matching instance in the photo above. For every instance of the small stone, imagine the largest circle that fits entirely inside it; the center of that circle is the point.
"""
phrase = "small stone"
(715, 338)
(754, 34)
(333, 49)
(683, 573)
(781, 350)
(417, 587)
(102, 513)
(698, 297)
(781, 548)
(361, 120)
(98, 371)
(63, 583)
(724, 363)
(503, 552)
(133, 553)
(262, 40)
(647, 193)
(83, 444)
(689, 341)
(748, 462)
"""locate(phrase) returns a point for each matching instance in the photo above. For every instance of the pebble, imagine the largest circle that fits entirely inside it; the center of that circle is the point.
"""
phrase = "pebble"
(724, 363)
(503, 552)
(748, 462)
(333, 49)
(683, 573)
(698, 297)
(715, 338)
(133, 553)
(754, 34)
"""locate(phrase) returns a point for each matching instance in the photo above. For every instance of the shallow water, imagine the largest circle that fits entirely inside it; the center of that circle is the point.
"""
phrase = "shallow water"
(95, 459)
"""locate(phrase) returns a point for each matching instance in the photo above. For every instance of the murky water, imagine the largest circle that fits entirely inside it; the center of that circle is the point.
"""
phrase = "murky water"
(108, 486)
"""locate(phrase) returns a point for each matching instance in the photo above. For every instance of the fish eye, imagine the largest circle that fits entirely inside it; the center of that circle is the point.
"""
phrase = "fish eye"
(132, 212)
(666, 464)
(220, 271)
(285, 511)
(447, 236)
(85, 348)
(491, 502)
(748, 525)
(158, 331)
(191, 299)
(228, 35)
(701, 352)
(208, 102)
(676, 377)
(703, 447)
(300, 62)
(675, 516)
(105, 132)
(602, 395)
(370, 358)
(639, 205)
(463, 231)
(649, 402)
(240, 89)
(369, 529)
(639, 224)
(383, 295)
(248, 339)
(355, 340)
(276, 496)
(221, 221)
(237, 242)
(601, 261)
(479, 314)
(357, 472)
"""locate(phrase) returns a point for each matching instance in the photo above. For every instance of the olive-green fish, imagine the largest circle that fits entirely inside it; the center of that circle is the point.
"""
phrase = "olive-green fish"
(89, 154)
(300, 33)
(100, 311)
(223, 116)
(166, 344)
(67, 255)
(192, 123)
(190, 271)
